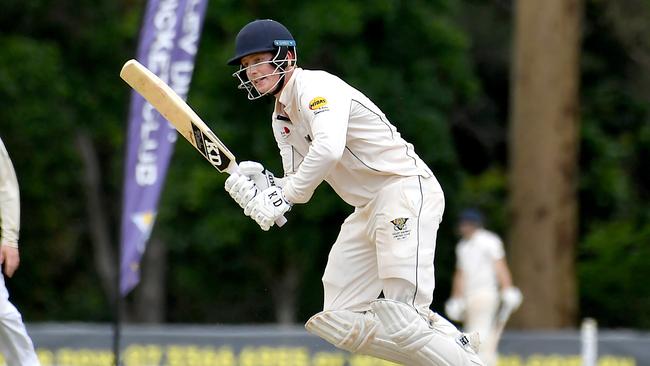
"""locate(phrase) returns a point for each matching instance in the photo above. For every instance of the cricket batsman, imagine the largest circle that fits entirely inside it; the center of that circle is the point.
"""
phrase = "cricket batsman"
(326, 130)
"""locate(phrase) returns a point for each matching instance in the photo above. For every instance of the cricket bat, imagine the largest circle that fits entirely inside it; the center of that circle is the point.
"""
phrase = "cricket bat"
(499, 324)
(182, 117)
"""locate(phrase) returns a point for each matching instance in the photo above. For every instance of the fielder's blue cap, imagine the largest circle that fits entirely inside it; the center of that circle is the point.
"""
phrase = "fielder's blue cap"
(471, 215)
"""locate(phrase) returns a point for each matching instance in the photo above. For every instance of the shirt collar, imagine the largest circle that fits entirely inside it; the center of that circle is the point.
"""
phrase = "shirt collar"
(287, 91)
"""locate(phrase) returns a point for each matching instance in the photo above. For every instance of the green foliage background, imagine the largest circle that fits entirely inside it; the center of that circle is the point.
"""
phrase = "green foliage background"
(438, 69)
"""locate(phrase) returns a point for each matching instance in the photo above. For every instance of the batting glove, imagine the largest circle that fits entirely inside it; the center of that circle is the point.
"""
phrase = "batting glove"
(255, 171)
(241, 188)
(511, 298)
(455, 308)
(267, 207)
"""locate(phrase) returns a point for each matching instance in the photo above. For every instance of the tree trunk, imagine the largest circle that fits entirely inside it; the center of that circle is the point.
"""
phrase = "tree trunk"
(150, 294)
(284, 292)
(104, 255)
(543, 160)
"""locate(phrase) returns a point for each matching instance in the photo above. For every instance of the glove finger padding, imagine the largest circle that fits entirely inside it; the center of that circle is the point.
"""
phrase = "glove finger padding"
(247, 190)
(249, 168)
(264, 222)
(262, 177)
(241, 189)
(247, 197)
(231, 181)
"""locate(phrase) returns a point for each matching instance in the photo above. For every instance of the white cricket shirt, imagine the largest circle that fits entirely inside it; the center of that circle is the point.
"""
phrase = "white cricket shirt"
(9, 199)
(328, 130)
(475, 257)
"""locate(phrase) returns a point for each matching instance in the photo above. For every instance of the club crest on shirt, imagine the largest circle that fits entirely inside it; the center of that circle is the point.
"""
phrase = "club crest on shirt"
(400, 228)
(399, 223)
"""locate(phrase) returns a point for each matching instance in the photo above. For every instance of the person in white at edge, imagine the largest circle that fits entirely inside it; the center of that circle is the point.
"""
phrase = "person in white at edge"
(15, 344)
(328, 131)
(482, 285)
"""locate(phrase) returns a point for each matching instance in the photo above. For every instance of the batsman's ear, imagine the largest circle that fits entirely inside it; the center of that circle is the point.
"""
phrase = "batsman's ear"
(291, 58)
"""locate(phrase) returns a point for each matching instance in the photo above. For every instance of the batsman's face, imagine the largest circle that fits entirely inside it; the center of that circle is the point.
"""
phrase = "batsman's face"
(261, 71)
(466, 229)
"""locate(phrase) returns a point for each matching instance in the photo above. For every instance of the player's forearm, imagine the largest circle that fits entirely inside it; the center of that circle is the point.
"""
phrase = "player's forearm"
(329, 136)
(9, 233)
(9, 201)
(503, 274)
(10, 214)
(457, 287)
(320, 160)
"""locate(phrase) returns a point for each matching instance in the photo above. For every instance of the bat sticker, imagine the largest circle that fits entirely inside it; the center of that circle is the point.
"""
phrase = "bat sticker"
(207, 146)
(197, 136)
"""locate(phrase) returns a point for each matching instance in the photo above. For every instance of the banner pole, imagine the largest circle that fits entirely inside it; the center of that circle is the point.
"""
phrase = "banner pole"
(117, 304)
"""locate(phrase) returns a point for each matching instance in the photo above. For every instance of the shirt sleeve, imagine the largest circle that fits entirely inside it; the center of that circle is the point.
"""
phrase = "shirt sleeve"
(458, 255)
(495, 247)
(327, 111)
(9, 199)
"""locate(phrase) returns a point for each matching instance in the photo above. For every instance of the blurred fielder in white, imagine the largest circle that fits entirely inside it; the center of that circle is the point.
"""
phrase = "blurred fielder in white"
(326, 130)
(15, 344)
(483, 296)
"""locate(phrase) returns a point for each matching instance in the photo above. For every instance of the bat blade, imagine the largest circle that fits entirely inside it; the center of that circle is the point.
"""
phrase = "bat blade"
(180, 114)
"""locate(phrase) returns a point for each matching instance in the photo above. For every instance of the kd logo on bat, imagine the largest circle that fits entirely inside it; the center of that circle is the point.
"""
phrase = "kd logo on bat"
(214, 155)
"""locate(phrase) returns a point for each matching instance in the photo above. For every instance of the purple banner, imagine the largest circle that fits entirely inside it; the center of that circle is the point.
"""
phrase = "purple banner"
(168, 43)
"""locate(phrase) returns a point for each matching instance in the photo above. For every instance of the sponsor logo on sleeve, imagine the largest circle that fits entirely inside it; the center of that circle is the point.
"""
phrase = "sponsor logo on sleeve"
(318, 105)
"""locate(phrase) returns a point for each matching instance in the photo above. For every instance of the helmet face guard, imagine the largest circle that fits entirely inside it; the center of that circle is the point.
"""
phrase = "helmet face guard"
(280, 61)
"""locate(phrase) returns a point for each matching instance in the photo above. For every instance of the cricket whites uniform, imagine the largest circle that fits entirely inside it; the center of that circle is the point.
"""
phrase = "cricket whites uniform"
(15, 344)
(475, 258)
(327, 130)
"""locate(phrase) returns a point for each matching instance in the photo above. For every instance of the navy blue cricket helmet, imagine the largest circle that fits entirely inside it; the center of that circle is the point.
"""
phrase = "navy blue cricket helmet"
(262, 35)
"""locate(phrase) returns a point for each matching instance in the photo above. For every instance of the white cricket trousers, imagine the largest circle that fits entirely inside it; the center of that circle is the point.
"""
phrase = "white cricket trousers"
(15, 344)
(482, 306)
(389, 242)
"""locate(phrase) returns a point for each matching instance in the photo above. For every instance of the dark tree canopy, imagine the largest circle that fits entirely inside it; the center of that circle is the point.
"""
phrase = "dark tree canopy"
(438, 69)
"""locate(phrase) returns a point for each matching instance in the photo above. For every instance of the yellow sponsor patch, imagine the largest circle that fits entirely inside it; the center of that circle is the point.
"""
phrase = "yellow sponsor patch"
(317, 103)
